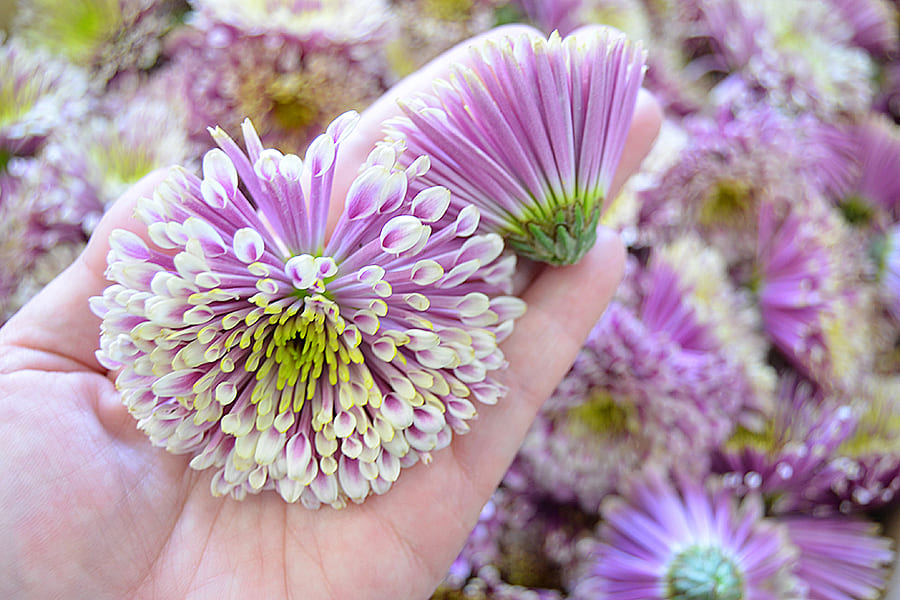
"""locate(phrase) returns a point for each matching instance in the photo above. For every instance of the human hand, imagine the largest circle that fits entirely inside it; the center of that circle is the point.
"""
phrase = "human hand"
(92, 509)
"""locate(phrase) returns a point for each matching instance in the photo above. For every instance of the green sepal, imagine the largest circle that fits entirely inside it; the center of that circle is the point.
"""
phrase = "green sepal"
(564, 240)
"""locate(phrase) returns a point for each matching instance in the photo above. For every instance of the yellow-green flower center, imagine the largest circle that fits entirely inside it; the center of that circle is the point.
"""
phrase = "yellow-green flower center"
(73, 28)
(764, 440)
(301, 344)
(448, 10)
(857, 210)
(16, 101)
(602, 415)
(703, 573)
(122, 161)
(727, 203)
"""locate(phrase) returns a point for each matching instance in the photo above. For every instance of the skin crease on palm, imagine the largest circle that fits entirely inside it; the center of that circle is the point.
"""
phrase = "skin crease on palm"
(92, 510)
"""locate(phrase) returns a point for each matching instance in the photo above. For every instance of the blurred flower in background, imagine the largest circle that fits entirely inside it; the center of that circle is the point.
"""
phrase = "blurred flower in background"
(729, 428)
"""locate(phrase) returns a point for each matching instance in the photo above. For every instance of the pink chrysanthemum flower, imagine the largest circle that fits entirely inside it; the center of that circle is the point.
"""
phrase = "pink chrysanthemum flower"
(564, 16)
(787, 461)
(871, 196)
(800, 54)
(105, 36)
(868, 461)
(532, 135)
(814, 308)
(653, 384)
(731, 165)
(96, 161)
(285, 361)
(316, 21)
(36, 245)
(38, 94)
(683, 542)
(290, 67)
(17, 245)
(874, 22)
(839, 558)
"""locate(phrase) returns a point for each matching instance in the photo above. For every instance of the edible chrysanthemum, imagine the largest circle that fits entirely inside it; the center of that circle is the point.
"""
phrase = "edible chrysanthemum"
(531, 133)
(683, 542)
(286, 362)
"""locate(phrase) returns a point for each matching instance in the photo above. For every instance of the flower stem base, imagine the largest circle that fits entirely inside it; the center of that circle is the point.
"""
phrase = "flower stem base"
(564, 240)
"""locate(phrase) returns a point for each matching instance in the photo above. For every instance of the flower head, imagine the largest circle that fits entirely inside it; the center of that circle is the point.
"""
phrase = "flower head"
(522, 543)
(868, 461)
(314, 21)
(662, 541)
(653, 384)
(104, 36)
(38, 93)
(874, 22)
(800, 55)
(733, 163)
(787, 461)
(872, 194)
(839, 558)
(285, 361)
(810, 297)
(531, 134)
(95, 161)
(291, 76)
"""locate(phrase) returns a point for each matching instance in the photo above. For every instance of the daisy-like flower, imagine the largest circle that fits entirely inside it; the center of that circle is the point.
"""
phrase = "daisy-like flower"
(732, 164)
(532, 135)
(38, 93)
(290, 75)
(94, 162)
(104, 36)
(787, 461)
(872, 194)
(869, 460)
(653, 384)
(286, 362)
(839, 558)
(801, 54)
(812, 302)
(682, 542)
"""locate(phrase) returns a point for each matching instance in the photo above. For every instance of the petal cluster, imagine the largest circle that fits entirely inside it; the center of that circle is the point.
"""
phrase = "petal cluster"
(282, 360)
(531, 134)
(663, 541)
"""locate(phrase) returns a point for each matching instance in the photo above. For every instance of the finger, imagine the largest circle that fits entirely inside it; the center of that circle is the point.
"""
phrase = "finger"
(564, 303)
(645, 126)
(56, 330)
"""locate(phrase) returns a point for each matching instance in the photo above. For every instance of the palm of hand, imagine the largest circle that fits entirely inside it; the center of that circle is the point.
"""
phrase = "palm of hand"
(99, 510)
(93, 510)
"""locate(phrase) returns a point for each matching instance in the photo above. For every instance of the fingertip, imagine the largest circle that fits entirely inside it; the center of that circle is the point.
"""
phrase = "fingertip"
(645, 125)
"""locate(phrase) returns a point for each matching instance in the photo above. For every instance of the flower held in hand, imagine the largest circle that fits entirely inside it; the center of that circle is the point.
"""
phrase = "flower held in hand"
(315, 368)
